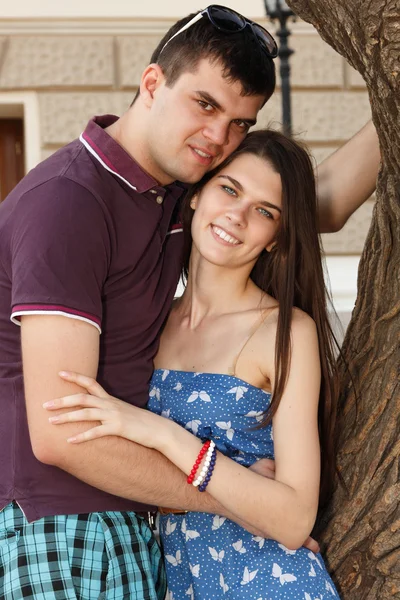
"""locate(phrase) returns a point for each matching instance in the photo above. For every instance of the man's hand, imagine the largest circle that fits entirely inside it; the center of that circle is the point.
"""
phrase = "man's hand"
(266, 468)
(312, 545)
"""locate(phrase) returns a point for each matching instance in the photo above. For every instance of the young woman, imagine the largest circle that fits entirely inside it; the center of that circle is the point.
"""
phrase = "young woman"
(245, 361)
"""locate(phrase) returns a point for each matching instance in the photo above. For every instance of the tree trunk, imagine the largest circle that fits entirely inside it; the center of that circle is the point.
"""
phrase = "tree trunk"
(361, 527)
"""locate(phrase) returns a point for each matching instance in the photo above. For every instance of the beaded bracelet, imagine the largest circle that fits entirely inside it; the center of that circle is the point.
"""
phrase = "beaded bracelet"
(197, 463)
(206, 466)
(204, 484)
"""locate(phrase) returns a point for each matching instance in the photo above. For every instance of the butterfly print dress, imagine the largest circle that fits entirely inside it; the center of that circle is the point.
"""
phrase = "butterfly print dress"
(209, 557)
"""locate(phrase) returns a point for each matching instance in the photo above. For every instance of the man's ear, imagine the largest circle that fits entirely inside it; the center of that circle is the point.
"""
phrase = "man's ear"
(193, 202)
(152, 78)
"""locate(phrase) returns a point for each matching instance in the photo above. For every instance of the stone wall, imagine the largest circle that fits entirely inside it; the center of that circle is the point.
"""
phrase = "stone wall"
(81, 69)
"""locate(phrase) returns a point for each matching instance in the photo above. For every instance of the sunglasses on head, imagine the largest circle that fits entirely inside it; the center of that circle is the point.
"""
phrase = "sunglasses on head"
(229, 21)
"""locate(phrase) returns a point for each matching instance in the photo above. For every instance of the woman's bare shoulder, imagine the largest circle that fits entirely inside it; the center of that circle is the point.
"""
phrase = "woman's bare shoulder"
(300, 319)
(302, 323)
(302, 330)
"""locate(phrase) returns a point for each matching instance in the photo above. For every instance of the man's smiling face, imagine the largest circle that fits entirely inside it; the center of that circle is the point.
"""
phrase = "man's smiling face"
(195, 124)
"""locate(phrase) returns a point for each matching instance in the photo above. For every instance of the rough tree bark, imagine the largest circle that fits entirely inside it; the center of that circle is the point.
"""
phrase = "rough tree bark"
(361, 535)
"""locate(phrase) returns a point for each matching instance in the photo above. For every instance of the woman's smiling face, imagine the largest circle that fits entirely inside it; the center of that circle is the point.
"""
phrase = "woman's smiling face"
(237, 213)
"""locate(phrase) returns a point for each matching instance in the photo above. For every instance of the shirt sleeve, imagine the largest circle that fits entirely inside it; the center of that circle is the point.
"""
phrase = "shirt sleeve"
(59, 252)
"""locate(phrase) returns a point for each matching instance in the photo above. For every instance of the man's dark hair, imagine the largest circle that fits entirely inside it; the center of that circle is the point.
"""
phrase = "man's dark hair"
(240, 55)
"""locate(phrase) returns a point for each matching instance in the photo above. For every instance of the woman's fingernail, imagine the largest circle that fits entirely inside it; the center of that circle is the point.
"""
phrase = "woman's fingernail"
(71, 440)
(64, 373)
(49, 404)
(53, 419)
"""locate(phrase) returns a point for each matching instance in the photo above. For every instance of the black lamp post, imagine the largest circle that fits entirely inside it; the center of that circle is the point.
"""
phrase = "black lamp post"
(279, 10)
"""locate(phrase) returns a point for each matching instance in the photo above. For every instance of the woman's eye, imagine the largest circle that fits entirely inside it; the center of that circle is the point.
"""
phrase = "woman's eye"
(265, 213)
(229, 190)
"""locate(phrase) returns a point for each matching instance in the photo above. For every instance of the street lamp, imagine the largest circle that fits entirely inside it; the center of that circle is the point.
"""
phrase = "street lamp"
(279, 10)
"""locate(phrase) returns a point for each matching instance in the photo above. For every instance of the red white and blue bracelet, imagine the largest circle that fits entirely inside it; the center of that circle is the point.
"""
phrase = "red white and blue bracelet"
(210, 469)
(209, 453)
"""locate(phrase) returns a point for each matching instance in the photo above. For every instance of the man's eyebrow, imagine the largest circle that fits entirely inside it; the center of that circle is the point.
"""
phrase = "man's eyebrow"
(211, 100)
(239, 186)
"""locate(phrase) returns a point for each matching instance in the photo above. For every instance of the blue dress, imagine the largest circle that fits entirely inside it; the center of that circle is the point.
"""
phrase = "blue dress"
(209, 557)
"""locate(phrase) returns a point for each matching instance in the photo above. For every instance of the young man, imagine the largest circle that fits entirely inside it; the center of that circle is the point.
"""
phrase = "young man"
(90, 242)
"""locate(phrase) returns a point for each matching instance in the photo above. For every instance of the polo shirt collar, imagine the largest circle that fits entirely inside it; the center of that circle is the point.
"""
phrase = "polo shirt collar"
(115, 159)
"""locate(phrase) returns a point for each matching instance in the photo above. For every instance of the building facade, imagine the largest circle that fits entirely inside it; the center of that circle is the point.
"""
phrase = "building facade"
(60, 65)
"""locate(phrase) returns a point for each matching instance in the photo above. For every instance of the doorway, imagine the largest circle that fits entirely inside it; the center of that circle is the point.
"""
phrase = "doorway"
(11, 154)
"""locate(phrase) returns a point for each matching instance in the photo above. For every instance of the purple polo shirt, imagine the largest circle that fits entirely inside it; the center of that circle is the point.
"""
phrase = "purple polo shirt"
(89, 235)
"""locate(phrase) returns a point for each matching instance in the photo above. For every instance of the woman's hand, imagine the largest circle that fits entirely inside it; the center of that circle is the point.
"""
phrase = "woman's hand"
(116, 417)
(264, 467)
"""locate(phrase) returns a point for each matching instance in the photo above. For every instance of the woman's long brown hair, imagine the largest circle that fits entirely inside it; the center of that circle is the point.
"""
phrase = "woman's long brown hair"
(292, 273)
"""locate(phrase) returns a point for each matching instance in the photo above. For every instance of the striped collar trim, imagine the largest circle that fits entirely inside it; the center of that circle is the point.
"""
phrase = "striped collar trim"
(103, 160)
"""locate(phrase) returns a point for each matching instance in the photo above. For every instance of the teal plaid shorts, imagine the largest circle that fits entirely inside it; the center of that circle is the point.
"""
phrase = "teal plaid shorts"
(102, 556)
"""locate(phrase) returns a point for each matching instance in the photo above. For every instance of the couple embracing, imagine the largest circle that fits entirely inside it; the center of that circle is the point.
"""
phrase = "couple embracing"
(93, 242)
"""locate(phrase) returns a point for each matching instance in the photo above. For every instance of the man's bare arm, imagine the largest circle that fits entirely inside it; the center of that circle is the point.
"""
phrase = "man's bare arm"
(51, 344)
(347, 178)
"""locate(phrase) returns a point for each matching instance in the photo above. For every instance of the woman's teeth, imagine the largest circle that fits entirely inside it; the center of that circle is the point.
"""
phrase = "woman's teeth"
(225, 236)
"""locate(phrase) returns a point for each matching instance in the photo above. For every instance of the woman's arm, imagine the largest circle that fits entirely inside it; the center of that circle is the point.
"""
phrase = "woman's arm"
(285, 508)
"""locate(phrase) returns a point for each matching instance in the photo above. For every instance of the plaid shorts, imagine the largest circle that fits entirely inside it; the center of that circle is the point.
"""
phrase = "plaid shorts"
(103, 556)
